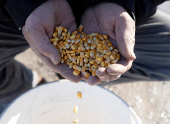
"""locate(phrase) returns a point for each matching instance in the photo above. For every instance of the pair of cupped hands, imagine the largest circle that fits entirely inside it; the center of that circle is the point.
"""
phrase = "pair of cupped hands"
(104, 18)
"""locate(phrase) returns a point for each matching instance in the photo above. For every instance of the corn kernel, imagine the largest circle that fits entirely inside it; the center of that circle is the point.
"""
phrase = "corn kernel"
(86, 74)
(105, 36)
(75, 109)
(79, 94)
(74, 32)
(80, 28)
(76, 72)
(83, 69)
(75, 121)
(72, 36)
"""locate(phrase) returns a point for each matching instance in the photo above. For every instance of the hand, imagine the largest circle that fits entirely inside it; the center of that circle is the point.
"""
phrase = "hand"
(39, 27)
(113, 20)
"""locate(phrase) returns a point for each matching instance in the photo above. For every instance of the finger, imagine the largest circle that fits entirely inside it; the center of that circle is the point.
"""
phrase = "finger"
(125, 36)
(119, 68)
(60, 68)
(92, 80)
(37, 36)
(104, 76)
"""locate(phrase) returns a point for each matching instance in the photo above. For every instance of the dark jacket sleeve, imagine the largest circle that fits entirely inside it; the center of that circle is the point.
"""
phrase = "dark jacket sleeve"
(129, 5)
(19, 10)
(139, 10)
(145, 8)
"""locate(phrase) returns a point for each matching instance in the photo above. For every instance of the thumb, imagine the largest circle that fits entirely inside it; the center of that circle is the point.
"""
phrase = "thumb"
(125, 37)
(37, 36)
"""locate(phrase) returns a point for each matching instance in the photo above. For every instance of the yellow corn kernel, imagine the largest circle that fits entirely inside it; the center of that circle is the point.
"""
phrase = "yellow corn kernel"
(93, 46)
(109, 43)
(64, 52)
(82, 54)
(75, 121)
(69, 56)
(79, 94)
(81, 61)
(99, 59)
(112, 57)
(108, 52)
(80, 28)
(113, 61)
(96, 39)
(72, 37)
(77, 67)
(71, 65)
(87, 54)
(86, 74)
(91, 53)
(117, 56)
(65, 30)
(95, 34)
(82, 33)
(56, 29)
(75, 109)
(95, 65)
(62, 60)
(116, 50)
(78, 36)
(55, 34)
(83, 69)
(105, 36)
(84, 38)
(72, 51)
(81, 48)
(74, 32)
(114, 53)
(89, 40)
(54, 39)
(101, 37)
(86, 60)
(68, 35)
(78, 60)
(99, 46)
(60, 29)
(65, 57)
(73, 47)
(93, 72)
(74, 59)
(92, 61)
(66, 45)
(102, 64)
(63, 34)
(76, 72)
(62, 45)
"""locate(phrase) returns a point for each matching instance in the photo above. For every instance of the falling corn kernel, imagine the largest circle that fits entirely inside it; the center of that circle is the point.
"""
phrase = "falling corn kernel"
(79, 94)
(75, 109)
(75, 121)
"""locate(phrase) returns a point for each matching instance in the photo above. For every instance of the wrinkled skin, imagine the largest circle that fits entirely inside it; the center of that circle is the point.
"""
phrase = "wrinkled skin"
(113, 20)
(38, 29)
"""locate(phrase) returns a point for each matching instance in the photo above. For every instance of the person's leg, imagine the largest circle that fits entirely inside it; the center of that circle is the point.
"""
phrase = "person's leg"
(14, 77)
(152, 49)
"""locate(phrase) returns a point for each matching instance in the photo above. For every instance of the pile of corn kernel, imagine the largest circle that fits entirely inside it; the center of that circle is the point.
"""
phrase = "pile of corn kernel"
(84, 53)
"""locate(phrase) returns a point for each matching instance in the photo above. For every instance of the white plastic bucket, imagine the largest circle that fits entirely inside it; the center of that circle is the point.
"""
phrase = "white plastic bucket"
(53, 103)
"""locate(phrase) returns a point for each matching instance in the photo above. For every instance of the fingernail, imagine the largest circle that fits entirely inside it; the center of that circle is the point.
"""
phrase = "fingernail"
(114, 73)
(54, 60)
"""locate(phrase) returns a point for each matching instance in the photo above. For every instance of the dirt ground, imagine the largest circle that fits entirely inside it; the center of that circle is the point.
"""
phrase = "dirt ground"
(150, 100)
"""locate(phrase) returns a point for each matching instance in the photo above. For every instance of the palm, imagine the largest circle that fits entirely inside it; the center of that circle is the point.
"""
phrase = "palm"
(105, 18)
